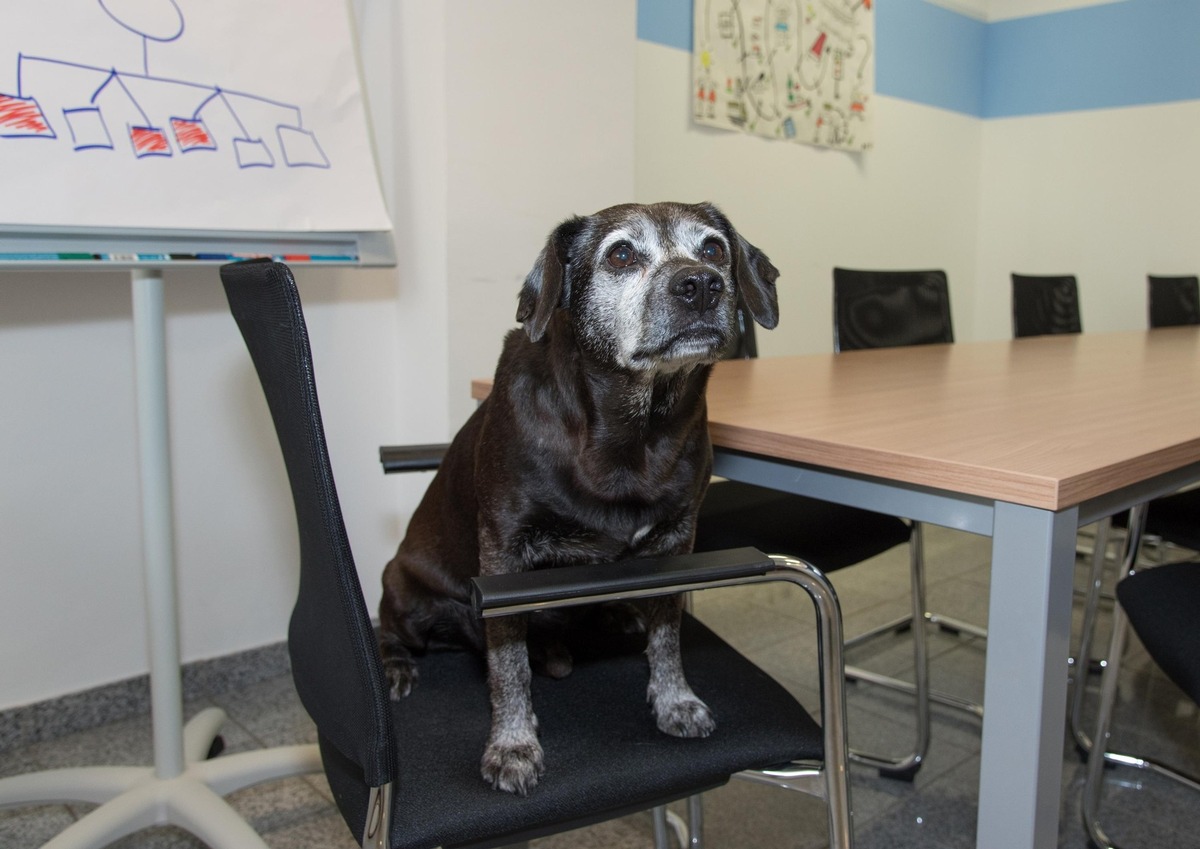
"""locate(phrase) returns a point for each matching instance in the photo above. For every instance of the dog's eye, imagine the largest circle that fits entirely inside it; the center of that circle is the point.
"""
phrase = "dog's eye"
(622, 255)
(712, 251)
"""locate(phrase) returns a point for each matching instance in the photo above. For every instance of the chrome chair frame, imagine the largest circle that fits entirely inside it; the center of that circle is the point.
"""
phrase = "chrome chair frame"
(1094, 782)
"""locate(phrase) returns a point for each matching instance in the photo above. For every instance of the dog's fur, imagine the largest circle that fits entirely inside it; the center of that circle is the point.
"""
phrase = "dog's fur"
(593, 446)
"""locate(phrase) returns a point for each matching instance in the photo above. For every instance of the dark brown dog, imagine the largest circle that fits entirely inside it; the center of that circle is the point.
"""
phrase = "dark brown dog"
(593, 446)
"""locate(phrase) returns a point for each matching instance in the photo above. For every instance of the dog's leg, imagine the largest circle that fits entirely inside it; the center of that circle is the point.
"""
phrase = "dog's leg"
(677, 710)
(398, 665)
(512, 760)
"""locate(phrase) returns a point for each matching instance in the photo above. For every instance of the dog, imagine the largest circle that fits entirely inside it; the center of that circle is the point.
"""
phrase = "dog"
(592, 447)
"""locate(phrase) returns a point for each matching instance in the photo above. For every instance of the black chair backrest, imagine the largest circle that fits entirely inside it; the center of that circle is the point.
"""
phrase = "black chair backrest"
(334, 651)
(1044, 305)
(1174, 301)
(889, 309)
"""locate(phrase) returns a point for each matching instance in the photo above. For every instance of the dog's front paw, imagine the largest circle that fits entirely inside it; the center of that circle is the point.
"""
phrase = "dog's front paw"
(401, 674)
(513, 767)
(684, 717)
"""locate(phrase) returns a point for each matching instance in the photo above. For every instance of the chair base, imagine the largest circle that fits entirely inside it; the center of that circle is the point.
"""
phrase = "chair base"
(1097, 837)
(133, 798)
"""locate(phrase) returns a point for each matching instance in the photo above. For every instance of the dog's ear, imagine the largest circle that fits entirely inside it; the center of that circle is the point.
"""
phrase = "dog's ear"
(753, 273)
(547, 286)
(755, 277)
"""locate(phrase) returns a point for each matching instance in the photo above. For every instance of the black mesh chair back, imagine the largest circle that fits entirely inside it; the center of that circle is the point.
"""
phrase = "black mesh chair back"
(406, 773)
(1044, 305)
(1160, 604)
(889, 309)
(1173, 301)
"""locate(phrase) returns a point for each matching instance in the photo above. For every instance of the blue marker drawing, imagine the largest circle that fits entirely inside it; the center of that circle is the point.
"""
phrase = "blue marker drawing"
(157, 116)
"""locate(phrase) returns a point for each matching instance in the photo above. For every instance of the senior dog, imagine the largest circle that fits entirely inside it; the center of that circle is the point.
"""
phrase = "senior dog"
(593, 446)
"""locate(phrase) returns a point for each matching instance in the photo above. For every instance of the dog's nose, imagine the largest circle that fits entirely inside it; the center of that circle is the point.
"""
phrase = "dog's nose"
(699, 288)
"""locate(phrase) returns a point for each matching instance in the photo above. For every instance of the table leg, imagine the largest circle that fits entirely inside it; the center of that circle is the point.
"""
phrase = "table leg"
(1025, 688)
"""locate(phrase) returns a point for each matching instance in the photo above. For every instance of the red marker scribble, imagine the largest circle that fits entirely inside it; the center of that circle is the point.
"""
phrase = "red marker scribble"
(21, 114)
(191, 134)
(148, 140)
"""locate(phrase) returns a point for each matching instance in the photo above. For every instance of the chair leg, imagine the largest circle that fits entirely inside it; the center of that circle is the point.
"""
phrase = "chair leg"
(1094, 785)
(1082, 661)
(695, 810)
(905, 768)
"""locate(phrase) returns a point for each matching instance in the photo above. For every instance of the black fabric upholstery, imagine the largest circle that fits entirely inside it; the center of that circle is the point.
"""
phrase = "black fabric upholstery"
(1173, 301)
(1162, 604)
(604, 755)
(829, 536)
(1044, 305)
(1175, 518)
(335, 659)
(889, 309)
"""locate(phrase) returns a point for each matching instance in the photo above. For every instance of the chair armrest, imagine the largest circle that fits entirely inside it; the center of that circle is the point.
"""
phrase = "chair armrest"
(501, 595)
(411, 458)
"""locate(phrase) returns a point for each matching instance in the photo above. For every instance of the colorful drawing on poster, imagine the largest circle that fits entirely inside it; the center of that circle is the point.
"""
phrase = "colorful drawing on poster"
(795, 70)
(95, 102)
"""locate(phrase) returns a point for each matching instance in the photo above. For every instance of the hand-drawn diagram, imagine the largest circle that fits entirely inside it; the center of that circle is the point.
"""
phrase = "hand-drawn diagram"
(800, 70)
(95, 107)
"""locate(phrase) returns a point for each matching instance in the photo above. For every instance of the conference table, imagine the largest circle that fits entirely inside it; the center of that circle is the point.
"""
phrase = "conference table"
(1023, 441)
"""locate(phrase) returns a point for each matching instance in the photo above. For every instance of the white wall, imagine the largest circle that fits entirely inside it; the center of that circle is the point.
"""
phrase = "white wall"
(479, 116)
(909, 203)
(1108, 195)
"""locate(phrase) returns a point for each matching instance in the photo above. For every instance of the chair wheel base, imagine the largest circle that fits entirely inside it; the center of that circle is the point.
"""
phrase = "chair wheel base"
(907, 774)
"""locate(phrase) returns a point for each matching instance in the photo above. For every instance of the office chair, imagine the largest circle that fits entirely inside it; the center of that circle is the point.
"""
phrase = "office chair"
(1160, 604)
(889, 309)
(406, 773)
(1043, 305)
(1173, 301)
(1172, 520)
(831, 537)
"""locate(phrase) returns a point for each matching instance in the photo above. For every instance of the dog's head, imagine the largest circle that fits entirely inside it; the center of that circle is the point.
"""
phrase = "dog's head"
(649, 288)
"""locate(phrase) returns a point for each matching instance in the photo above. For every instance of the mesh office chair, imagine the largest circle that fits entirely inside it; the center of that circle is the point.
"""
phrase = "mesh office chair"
(1044, 305)
(1173, 301)
(889, 309)
(406, 773)
(1173, 520)
(1160, 604)
(832, 536)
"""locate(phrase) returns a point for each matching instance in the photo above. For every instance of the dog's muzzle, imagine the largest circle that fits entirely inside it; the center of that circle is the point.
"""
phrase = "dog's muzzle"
(698, 289)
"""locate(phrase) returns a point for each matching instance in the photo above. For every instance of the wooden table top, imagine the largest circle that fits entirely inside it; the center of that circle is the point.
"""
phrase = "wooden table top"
(1047, 422)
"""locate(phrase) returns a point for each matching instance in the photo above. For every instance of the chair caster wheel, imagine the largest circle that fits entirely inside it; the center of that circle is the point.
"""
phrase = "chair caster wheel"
(217, 746)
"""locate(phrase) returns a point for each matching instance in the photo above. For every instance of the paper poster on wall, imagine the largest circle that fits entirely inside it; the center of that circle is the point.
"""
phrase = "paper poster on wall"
(225, 115)
(801, 71)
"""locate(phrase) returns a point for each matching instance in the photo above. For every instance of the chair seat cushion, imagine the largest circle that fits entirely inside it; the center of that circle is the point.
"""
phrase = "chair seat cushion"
(1161, 603)
(829, 536)
(589, 722)
(1175, 518)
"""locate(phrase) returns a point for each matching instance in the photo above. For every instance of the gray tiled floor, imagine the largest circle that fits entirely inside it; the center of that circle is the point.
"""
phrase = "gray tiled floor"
(936, 811)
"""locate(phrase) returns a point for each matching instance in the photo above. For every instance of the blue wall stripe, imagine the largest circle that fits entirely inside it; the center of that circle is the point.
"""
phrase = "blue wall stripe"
(666, 22)
(1128, 53)
(928, 54)
(1118, 54)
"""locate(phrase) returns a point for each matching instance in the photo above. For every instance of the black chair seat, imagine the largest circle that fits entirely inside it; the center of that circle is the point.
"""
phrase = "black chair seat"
(827, 535)
(588, 724)
(1175, 518)
(1161, 604)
